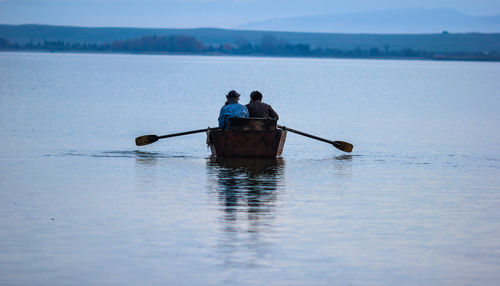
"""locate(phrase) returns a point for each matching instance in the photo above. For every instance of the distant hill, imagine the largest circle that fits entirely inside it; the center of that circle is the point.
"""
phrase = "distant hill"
(388, 21)
(438, 42)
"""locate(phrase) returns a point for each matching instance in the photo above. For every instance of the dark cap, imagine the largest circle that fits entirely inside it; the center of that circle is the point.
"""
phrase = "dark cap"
(233, 94)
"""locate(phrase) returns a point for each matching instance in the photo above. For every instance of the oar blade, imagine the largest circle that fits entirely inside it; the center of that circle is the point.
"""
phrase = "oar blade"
(344, 146)
(145, 140)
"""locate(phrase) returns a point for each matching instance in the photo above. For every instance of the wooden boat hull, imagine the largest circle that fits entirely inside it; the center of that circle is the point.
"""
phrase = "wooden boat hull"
(257, 144)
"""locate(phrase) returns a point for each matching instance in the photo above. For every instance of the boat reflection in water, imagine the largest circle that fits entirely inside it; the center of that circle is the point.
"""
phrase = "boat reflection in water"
(247, 191)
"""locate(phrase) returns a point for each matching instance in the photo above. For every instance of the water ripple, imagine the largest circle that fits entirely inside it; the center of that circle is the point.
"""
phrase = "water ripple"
(120, 154)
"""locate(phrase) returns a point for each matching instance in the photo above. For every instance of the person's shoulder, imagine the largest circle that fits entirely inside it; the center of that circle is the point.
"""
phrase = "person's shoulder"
(266, 105)
(226, 107)
(250, 104)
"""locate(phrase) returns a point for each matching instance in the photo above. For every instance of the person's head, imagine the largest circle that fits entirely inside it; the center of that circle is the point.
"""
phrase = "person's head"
(256, 95)
(232, 96)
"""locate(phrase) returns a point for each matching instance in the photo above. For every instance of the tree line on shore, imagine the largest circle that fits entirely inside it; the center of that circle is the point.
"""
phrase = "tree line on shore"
(268, 46)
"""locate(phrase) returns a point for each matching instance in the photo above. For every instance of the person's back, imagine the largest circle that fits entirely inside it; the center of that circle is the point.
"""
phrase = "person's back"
(231, 109)
(257, 108)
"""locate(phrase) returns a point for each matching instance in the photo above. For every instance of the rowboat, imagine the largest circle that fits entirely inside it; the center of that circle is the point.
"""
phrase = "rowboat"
(247, 137)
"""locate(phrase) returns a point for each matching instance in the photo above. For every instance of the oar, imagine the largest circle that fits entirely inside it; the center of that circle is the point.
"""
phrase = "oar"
(341, 145)
(148, 139)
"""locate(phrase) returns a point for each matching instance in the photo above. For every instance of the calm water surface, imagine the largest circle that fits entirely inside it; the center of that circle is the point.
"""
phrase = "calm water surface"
(416, 203)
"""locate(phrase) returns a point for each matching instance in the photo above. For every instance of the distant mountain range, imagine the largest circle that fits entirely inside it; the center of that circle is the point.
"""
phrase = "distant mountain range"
(405, 21)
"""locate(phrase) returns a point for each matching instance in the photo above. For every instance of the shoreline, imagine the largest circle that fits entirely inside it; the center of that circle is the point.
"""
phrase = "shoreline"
(218, 54)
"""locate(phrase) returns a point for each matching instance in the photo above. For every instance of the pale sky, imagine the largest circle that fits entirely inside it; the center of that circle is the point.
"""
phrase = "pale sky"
(204, 13)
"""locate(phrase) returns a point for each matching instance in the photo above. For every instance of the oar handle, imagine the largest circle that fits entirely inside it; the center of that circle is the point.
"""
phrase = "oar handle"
(188, 132)
(305, 134)
(341, 145)
(148, 139)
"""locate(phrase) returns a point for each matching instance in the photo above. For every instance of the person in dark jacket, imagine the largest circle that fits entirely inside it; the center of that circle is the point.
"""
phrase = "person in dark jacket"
(257, 108)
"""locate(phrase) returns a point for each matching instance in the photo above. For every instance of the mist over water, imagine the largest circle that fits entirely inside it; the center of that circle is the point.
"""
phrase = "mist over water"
(415, 203)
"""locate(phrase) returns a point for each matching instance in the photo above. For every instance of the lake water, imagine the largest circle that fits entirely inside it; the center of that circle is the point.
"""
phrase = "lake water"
(416, 203)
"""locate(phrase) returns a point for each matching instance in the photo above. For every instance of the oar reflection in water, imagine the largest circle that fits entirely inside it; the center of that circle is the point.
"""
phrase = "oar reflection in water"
(248, 191)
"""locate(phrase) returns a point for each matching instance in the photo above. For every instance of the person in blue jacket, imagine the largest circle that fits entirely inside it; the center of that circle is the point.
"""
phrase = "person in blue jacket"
(231, 109)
